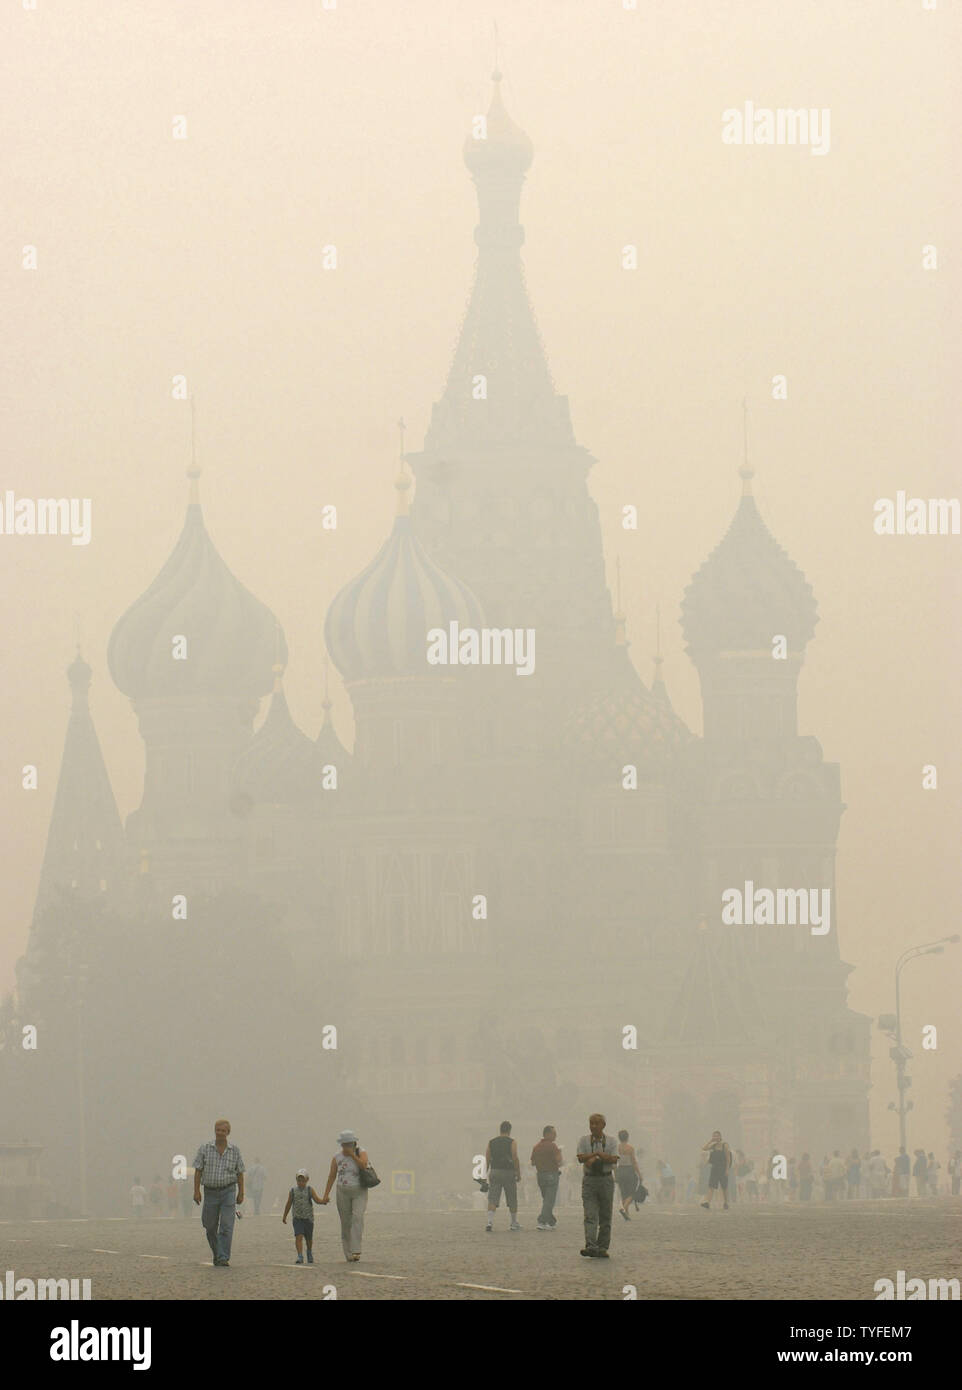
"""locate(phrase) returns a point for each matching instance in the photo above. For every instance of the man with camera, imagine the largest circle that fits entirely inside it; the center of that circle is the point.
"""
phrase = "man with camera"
(598, 1154)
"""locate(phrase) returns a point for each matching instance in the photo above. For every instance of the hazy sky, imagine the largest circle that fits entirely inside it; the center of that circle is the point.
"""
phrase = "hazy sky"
(307, 127)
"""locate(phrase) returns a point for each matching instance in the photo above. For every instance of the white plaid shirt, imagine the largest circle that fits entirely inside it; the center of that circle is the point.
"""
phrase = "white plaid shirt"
(218, 1169)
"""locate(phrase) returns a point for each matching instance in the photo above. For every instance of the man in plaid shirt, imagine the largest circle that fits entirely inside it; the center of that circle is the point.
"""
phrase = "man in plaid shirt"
(220, 1168)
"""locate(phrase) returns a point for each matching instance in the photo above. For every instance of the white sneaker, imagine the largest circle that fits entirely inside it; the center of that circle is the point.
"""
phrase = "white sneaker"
(515, 1226)
(543, 1227)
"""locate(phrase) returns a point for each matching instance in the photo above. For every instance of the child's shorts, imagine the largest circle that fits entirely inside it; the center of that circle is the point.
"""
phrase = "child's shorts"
(303, 1227)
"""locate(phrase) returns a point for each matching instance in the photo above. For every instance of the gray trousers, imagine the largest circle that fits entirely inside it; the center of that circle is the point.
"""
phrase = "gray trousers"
(597, 1195)
(351, 1204)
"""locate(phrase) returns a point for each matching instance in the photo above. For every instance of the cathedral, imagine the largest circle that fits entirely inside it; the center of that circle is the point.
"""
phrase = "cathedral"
(509, 892)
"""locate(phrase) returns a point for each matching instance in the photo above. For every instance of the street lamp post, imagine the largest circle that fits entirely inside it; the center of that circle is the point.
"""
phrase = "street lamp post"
(900, 1054)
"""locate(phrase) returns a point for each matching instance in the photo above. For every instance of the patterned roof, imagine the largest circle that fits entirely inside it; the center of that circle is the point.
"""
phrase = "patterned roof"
(628, 720)
(746, 592)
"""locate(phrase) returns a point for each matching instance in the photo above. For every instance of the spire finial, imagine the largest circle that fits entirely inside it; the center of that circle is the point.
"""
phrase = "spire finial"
(402, 482)
(193, 471)
(746, 472)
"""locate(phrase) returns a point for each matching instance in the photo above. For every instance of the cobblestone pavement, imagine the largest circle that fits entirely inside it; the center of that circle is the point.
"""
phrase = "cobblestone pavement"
(760, 1252)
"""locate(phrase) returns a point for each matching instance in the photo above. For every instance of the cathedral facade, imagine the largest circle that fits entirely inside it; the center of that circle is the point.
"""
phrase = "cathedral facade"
(512, 886)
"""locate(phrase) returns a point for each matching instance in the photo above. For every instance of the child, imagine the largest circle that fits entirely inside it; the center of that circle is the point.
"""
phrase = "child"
(300, 1198)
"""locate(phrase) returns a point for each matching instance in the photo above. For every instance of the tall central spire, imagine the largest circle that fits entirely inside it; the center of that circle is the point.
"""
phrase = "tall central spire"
(499, 391)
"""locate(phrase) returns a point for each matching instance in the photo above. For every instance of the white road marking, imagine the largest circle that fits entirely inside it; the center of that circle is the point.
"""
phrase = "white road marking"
(153, 1257)
(366, 1274)
(488, 1288)
(94, 1251)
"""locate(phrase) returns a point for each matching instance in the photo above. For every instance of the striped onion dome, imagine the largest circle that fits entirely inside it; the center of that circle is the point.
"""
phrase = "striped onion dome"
(747, 590)
(379, 622)
(232, 639)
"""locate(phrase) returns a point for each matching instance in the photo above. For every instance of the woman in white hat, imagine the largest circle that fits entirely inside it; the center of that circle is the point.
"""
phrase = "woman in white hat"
(351, 1196)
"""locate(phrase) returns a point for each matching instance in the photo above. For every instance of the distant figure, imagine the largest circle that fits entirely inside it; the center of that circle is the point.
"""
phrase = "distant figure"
(627, 1173)
(220, 1168)
(920, 1172)
(156, 1197)
(806, 1179)
(504, 1174)
(138, 1196)
(854, 1174)
(955, 1172)
(547, 1161)
(666, 1181)
(751, 1180)
(933, 1169)
(172, 1199)
(878, 1172)
(598, 1155)
(719, 1162)
(256, 1179)
(301, 1197)
(836, 1174)
(900, 1174)
(351, 1193)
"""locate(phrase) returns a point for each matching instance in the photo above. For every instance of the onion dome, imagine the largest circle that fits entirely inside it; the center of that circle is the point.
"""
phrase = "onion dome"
(505, 145)
(231, 637)
(378, 624)
(280, 765)
(627, 720)
(747, 591)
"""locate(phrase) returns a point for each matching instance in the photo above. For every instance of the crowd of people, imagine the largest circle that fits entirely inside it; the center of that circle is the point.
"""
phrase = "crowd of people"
(601, 1165)
(836, 1176)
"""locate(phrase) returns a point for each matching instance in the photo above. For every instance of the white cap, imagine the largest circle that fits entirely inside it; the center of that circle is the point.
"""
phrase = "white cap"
(347, 1136)
(302, 1173)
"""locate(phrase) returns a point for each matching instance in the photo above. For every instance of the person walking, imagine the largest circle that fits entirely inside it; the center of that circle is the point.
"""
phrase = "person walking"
(920, 1172)
(138, 1196)
(302, 1197)
(932, 1171)
(256, 1179)
(806, 1179)
(220, 1168)
(955, 1172)
(900, 1173)
(627, 1173)
(547, 1162)
(504, 1174)
(598, 1155)
(854, 1174)
(719, 1162)
(351, 1193)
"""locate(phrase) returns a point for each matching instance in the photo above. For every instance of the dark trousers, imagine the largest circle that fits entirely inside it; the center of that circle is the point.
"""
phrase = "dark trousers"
(257, 1196)
(597, 1196)
(548, 1183)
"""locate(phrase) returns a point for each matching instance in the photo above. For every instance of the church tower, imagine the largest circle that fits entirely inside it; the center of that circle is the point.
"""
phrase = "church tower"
(195, 654)
(502, 499)
(770, 808)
